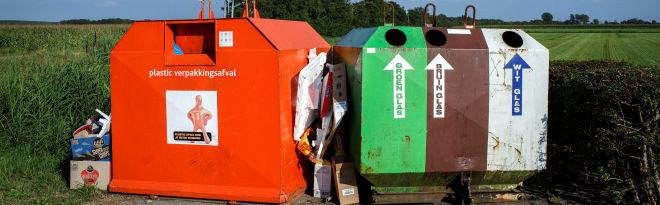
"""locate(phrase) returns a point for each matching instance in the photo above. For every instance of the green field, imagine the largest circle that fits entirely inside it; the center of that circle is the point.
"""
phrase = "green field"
(53, 77)
(636, 48)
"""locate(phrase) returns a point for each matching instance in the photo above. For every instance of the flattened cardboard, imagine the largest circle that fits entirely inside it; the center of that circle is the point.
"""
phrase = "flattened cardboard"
(346, 183)
(89, 173)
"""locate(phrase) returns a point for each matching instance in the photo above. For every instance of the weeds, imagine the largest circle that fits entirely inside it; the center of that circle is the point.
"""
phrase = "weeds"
(51, 79)
(603, 133)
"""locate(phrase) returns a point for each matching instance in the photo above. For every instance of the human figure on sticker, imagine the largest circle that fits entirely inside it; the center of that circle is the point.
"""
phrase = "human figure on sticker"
(199, 116)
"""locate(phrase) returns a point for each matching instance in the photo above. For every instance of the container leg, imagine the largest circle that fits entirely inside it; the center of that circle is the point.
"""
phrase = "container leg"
(462, 188)
(466, 181)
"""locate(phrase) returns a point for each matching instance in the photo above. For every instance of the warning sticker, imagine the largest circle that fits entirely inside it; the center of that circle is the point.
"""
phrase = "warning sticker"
(192, 117)
(226, 38)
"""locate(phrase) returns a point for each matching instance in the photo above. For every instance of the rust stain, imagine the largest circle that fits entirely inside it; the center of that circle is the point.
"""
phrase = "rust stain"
(374, 154)
(497, 143)
(464, 163)
(368, 170)
(508, 197)
(518, 155)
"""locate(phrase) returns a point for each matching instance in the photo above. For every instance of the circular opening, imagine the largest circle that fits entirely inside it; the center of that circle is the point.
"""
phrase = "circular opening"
(395, 37)
(436, 38)
(512, 39)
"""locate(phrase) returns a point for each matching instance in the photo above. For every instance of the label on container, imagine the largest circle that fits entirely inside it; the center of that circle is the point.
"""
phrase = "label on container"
(459, 31)
(439, 66)
(399, 66)
(347, 192)
(192, 117)
(226, 38)
(517, 66)
(371, 50)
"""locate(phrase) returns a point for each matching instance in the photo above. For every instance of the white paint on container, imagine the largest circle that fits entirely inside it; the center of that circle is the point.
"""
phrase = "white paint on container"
(517, 142)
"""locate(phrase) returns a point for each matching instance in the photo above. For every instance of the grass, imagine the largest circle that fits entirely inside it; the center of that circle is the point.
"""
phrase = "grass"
(636, 48)
(52, 77)
(559, 28)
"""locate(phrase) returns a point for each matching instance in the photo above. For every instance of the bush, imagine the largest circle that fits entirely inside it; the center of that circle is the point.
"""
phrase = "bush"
(602, 133)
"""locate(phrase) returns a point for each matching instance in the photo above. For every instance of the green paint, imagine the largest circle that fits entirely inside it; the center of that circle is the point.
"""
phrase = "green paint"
(389, 145)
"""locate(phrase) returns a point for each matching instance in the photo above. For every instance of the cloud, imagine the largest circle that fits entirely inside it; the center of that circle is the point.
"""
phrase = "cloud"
(109, 3)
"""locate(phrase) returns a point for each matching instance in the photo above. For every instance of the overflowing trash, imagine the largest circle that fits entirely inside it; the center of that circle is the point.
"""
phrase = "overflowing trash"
(90, 150)
(320, 108)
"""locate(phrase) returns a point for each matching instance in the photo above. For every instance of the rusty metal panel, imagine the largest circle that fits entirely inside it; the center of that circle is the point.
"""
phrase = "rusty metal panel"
(518, 103)
(457, 115)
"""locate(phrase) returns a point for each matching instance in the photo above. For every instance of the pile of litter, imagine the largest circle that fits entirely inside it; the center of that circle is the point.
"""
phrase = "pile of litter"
(90, 150)
(320, 107)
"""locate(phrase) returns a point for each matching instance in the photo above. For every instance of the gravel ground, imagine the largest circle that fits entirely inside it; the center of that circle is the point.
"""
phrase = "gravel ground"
(128, 199)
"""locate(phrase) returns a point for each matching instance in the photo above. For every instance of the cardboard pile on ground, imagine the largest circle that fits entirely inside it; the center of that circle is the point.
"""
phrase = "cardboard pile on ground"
(90, 150)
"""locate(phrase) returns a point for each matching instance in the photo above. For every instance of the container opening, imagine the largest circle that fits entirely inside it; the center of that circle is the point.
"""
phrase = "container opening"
(194, 38)
(395, 37)
(436, 38)
(512, 39)
(190, 43)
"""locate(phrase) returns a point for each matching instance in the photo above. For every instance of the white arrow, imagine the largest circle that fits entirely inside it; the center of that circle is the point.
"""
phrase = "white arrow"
(399, 66)
(439, 65)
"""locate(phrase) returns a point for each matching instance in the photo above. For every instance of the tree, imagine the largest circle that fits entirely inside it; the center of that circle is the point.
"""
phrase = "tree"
(634, 21)
(328, 17)
(654, 22)
(578, 19)
(596, 21)
(369, 13)
(547, 17)
(415, 16)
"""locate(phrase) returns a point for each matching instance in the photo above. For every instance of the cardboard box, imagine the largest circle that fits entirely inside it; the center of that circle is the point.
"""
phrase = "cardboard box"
(89, 173)
(322, 180)
(91, 148)
(346, 183)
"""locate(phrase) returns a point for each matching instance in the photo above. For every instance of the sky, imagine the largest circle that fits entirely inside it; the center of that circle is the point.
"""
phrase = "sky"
(508, 10)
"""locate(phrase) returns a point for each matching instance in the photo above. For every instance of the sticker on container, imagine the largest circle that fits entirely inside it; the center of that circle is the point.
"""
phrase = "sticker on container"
(517, 66)
(226, 38)
(347, 192)
(371, 50)
(459, 31)
(192, 117)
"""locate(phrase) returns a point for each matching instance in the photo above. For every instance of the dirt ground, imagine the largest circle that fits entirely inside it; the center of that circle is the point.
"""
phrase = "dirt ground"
(305, 199)
(128, 199)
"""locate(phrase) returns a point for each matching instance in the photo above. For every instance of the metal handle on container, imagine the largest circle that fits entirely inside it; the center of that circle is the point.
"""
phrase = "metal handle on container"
(474, 17)
(385, 12)
(426, 15)
(246, 13)
(201, 12)
(211, 16)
